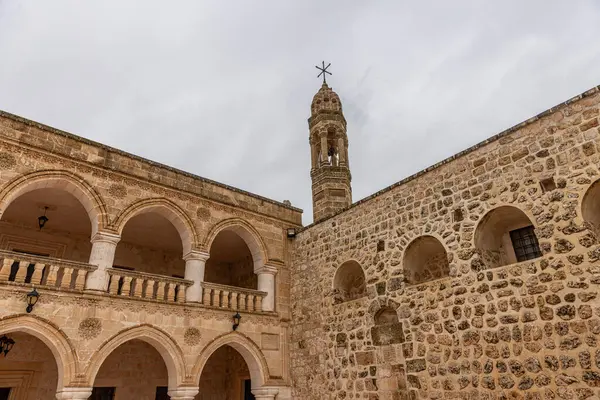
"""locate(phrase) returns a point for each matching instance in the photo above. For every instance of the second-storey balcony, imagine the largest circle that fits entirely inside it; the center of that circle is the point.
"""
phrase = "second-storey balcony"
(148, 255)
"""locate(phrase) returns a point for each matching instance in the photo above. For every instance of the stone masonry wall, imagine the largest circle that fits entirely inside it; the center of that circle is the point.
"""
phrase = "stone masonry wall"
(526, 330)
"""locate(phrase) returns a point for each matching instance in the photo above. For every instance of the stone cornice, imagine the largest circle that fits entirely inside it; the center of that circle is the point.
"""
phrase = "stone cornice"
(215, 203)
(140, 159)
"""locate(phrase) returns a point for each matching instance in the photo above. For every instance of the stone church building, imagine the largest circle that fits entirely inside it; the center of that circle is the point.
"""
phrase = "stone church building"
(477, 278)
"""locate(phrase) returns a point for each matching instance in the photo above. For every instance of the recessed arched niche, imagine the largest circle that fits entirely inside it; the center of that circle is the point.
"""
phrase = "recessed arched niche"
(505, 235)
(349, 282)
(425, 259)
(590, 207)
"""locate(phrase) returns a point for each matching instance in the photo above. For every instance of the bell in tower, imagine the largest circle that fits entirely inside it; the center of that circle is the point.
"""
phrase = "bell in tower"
(330, 170)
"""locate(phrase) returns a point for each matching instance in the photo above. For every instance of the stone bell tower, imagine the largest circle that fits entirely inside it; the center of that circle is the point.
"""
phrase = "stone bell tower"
(330, 171)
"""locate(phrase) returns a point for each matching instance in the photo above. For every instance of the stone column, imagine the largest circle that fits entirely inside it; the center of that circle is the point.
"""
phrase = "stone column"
(102, 255)
(341, 153)
(324, 149)
(195, 261)
(74, 393)
(265, 393)
(187, 393)
(266, 283)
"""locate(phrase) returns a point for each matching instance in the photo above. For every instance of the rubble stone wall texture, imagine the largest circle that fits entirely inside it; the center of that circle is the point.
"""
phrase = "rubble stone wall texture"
(526, 330)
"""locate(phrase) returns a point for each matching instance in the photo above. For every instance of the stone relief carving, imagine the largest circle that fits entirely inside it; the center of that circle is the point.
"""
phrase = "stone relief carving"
(192, 336)
(90, 328)
(7, 161)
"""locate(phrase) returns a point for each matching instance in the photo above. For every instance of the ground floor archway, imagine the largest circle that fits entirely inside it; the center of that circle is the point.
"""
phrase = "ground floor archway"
(225, 376)
(134, 370)
(29, 371)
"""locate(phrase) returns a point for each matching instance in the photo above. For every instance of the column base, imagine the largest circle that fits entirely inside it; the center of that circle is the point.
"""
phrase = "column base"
(188, 393)
(265, 393)
(74, 393)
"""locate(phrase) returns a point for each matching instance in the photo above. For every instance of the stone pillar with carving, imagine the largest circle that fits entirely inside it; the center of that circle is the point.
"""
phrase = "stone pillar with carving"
(186, 393)
(76, 393)
(265, 393)
(195, 261)
(266, 283)
(104, 245)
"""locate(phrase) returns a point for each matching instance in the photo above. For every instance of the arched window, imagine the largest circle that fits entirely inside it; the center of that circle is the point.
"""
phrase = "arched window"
(590, 207)
(387, 329)
(349, 282)
(425, 259)
(505, 236)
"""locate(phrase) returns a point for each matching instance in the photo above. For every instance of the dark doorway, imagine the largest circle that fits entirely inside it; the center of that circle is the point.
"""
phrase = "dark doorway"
(103, 393)
(248, 390)
(4, 393)
(162, 393)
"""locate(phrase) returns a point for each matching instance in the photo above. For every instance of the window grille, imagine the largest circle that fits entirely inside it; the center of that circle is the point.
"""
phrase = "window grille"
(525, 244)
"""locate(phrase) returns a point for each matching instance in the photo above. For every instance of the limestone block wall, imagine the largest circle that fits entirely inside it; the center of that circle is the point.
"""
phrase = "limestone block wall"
(524, 330)
(135, 369)
(123, 340)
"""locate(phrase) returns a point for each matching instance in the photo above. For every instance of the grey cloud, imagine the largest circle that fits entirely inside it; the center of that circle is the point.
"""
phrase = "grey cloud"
(223, 89)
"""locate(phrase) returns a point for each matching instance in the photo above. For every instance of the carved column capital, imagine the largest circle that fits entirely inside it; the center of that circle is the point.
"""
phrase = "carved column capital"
(266, 269)
(196, 255)
(106, 237)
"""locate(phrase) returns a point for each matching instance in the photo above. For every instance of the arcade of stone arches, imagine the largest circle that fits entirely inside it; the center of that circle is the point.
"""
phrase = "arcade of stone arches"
(152, 250)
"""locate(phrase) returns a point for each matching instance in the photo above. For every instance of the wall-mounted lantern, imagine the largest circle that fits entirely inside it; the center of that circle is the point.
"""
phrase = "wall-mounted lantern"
(32, 298)
(236, 320)
(6, 345)
(42, 219)
(291, 233)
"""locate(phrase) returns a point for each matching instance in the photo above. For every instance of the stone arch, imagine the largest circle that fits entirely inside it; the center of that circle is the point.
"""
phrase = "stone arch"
(247, 232)
(62, 180)
(168, 209)
(55, 339)
(492, 237)
(166, 346)
(349, 282)
(590, 207)
(425, 259)
(256, 361)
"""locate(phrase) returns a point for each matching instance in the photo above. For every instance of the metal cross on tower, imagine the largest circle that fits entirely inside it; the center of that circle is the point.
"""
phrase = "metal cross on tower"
(323, 72)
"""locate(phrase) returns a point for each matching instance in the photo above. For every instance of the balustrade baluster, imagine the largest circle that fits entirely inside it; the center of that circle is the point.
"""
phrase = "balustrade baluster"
(242, 301)
(38, 270)
(52, 275)
(181, 293)
(258, 302)
(250, 302)
(171, 292)
(5, 269)
(149, 289)
(65, 282)
(216, 297)
(160, 290)
(79, 279)
(22, 271)
(225, 299)
(126, 289)
(206, 296)
(138, 287)
(234, 301)
(114, 284)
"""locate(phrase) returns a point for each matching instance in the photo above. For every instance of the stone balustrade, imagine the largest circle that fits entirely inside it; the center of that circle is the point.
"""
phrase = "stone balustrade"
(147, 286)
(231, 297)
(45, 271)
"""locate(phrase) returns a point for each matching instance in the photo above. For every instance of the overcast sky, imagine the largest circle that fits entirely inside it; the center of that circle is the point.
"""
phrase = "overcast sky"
(222, 89)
